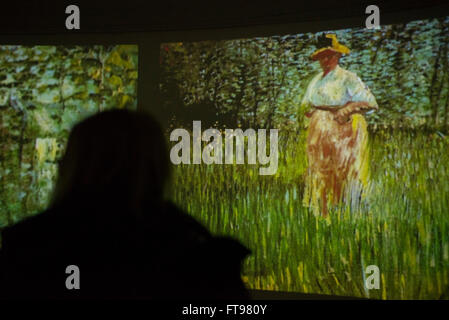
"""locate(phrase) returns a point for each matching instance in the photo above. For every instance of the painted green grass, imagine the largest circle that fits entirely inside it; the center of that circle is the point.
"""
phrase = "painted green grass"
(402, 227)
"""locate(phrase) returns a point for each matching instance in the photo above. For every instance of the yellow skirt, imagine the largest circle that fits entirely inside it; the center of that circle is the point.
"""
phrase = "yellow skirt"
(338, 161)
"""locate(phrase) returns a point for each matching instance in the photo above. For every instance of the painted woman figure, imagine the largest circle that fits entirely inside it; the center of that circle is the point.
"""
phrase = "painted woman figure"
(337, 136)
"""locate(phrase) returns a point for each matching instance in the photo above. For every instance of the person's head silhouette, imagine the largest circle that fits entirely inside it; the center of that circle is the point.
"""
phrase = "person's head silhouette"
(116, 158)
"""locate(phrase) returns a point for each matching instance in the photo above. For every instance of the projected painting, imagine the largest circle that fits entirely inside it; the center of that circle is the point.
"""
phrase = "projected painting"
(359, 202)
(44, 91)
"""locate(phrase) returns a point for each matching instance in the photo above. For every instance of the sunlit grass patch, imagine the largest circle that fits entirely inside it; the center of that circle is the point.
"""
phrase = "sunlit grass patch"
(402, 226)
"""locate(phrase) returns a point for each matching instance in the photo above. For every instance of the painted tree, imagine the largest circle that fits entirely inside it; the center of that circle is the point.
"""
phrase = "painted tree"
(44, 90)
(261, 81)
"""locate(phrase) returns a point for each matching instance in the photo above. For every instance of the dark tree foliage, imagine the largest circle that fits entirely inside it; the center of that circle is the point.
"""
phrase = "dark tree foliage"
(44, 90)
(260, 82)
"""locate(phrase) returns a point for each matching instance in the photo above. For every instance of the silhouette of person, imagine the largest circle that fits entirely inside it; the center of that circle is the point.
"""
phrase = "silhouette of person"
(109, 218)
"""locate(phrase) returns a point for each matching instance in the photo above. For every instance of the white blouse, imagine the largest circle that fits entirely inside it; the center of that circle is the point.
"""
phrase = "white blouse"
(337, 88)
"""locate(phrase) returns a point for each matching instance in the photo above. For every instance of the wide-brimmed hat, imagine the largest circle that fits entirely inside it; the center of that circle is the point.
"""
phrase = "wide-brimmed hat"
(329, 42)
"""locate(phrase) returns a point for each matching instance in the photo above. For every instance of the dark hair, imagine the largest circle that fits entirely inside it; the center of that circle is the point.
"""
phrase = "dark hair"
(118, 157)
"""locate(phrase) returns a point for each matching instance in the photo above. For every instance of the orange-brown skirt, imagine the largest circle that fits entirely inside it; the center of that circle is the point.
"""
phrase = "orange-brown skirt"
(337, 157)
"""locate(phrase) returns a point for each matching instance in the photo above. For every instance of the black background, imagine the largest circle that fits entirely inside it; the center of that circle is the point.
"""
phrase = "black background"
(48, 17)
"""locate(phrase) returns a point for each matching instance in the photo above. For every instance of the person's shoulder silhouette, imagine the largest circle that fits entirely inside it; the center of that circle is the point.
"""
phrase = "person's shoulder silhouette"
(108, 218)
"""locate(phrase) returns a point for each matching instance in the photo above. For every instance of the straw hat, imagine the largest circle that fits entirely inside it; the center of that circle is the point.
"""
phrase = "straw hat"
(329, 42)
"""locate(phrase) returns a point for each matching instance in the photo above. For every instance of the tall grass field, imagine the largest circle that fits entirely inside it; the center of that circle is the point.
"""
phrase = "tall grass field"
(402, 226)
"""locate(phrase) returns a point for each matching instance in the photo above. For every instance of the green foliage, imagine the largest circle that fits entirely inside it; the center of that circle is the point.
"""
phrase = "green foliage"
(44, 91)
(261, 81)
